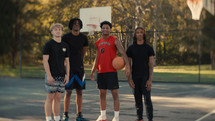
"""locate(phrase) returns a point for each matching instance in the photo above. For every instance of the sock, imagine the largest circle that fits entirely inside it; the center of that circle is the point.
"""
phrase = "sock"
(116, 113)
(57, 118)
(48, 118)
(103, 112)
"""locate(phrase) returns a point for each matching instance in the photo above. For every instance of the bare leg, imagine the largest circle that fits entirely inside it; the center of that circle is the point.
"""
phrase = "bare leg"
(48, 104)
(115, 99)
(57, 99)
(67, 100)
(79, 100)
(102, 93)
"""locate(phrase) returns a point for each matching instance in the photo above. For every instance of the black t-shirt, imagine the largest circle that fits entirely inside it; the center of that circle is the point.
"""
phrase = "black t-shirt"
(140, 59)
(76, 44)
(57, 53)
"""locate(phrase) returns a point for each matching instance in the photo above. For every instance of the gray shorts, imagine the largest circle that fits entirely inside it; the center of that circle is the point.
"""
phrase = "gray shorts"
(58, 85)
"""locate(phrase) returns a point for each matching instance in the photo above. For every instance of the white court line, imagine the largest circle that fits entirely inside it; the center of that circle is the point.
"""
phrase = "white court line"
(213, 111)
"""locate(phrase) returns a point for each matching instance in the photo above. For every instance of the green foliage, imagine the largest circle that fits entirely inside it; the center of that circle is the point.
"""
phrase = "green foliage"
(33, 18)
(6, 26)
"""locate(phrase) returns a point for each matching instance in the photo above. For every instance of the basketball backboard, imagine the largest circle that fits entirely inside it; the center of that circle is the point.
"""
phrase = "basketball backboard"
(209, 6)
(92, 17)
(195, 8)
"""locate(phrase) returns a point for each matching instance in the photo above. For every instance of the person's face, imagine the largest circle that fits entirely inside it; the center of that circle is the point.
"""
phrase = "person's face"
(76, 26)
(105, 29)
(57, 31)
(140, 34)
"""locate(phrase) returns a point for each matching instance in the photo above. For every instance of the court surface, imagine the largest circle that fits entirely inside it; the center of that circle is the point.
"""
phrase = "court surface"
(23, 100)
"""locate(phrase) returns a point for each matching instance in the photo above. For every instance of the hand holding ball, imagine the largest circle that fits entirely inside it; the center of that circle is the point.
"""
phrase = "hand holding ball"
(118, 63)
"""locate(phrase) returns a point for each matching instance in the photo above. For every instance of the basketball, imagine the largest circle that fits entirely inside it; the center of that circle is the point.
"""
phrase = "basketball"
(118, 63)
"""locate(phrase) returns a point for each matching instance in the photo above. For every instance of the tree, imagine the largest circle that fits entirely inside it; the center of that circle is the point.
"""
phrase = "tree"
(13, 20)
(7, 21)
(209, 36)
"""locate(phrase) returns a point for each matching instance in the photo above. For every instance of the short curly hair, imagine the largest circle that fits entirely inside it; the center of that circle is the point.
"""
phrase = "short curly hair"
(105, 22)
(71, 22)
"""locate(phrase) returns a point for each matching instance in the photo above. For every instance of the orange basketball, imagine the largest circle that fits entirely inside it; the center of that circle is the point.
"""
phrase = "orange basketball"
(118, 63)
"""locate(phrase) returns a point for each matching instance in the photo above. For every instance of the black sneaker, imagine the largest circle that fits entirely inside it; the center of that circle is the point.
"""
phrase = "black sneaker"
(65, 117)
(80, 117)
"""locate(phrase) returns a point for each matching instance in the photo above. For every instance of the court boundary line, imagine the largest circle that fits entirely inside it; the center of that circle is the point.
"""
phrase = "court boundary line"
(206, 115)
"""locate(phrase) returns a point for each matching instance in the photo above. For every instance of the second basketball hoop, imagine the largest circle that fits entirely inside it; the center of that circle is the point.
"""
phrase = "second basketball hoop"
(196, 8)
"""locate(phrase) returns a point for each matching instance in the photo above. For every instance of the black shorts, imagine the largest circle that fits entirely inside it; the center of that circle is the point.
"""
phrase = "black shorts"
(107, 80)
(76, 83)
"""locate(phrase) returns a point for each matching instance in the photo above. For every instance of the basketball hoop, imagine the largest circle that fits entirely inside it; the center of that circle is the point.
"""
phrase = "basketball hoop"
(91, 28)
(196, 8)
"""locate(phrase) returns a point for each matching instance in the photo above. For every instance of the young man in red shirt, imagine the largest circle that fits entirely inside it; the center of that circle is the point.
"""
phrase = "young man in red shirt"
(107, 78)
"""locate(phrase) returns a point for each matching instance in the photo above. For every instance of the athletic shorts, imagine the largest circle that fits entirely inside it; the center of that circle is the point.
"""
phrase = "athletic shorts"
(107, 81)
(58, 85)
(75, 84)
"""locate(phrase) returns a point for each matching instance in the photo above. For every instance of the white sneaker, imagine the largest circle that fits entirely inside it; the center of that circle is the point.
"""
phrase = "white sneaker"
(115, 119)
(102, 118)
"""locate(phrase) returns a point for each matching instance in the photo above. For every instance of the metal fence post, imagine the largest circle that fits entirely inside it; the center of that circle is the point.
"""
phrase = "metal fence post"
(20, 55)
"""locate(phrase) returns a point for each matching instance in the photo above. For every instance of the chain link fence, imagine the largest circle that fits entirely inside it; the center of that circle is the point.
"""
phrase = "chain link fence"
(181, 55)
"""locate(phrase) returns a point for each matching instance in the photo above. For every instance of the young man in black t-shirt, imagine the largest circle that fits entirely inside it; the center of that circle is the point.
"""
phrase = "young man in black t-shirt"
(78, 46)
(142, 56)
(55, 59)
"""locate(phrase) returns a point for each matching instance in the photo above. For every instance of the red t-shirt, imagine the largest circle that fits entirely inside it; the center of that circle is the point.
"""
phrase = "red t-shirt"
(106, 53)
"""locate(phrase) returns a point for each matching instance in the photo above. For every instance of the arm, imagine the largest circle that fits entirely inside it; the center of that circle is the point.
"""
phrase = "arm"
(122, 51)
(151, 66)
(66, 80)
(94, 67)
(47, 69)
(130, 81)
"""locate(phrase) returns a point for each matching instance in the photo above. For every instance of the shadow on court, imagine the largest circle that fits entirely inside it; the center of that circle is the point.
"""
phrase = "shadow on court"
(23, 100)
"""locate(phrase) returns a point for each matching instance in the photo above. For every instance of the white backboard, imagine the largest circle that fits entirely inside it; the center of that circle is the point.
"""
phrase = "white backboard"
(209, 6)
(94, 16)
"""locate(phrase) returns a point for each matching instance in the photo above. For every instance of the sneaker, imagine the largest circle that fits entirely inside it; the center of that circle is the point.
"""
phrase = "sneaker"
(79, 117)
(102, 118)
(139, 120)
(65, 117)
(115, 119)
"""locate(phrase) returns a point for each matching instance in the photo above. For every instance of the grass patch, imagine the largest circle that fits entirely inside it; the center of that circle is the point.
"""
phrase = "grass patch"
(184, 73)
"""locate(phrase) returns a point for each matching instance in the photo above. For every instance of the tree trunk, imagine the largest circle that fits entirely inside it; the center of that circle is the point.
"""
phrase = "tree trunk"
(13, 59)
(14, 44)
(212, 59)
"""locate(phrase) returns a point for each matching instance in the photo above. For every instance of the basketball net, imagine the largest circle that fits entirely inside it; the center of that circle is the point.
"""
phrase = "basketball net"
(196, 8)
(91, 28)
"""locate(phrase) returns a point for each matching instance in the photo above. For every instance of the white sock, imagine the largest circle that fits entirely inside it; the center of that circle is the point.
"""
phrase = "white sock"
(116, 113)
(103, 113)
(48, 118)
(57, 118)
